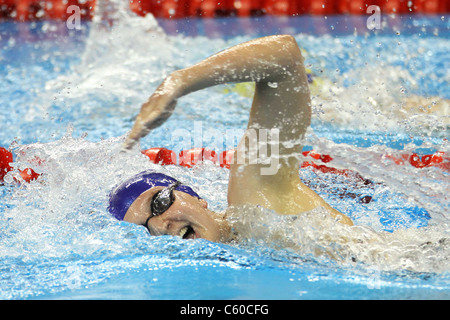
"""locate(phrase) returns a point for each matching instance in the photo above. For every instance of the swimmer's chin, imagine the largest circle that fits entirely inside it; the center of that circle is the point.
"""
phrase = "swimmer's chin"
(226, 234)
(223, 234)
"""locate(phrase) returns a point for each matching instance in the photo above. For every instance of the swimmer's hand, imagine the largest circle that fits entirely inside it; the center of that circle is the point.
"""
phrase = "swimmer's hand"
(154, 112)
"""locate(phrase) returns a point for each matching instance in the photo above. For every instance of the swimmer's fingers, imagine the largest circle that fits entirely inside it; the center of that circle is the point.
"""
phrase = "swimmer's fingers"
(134, 136)
(151, 116)
(156, 110)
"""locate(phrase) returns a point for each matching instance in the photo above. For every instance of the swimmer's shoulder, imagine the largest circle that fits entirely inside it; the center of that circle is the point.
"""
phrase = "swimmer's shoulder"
(284, 193)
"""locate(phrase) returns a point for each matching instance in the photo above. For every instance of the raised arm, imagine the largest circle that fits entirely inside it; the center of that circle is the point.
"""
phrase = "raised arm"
(281, 102)
(274, 63)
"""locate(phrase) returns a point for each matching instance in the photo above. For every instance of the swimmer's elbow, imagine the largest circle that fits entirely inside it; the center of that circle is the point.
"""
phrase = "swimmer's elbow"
(346, 220)
(288, 39)
(292, 47)
(341, 218)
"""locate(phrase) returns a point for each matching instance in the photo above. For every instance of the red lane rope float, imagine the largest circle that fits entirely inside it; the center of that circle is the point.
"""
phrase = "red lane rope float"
(25, 10)
(6, 159)
(189, 158)
(438, 159)
(161, 156)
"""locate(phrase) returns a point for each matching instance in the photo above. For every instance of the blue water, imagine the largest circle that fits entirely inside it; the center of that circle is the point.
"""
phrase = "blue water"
(58, 242)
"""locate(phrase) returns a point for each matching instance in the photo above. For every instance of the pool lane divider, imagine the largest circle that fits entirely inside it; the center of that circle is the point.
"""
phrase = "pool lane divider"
(26, 10)
(189, 158)
(192, 157)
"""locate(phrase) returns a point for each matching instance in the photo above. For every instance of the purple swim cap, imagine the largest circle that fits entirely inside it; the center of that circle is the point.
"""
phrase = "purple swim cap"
(122, 196)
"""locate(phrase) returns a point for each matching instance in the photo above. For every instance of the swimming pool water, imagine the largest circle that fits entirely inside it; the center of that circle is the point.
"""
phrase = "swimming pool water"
(69, 97)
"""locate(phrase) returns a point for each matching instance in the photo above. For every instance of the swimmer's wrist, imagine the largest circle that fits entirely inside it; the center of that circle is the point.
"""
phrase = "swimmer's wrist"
(169, 88)
(176, 84)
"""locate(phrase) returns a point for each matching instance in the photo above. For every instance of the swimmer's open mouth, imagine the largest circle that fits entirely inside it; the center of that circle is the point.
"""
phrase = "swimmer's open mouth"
(187, 233)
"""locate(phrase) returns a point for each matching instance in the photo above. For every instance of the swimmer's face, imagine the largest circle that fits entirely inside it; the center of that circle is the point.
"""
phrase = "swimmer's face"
(188, 217)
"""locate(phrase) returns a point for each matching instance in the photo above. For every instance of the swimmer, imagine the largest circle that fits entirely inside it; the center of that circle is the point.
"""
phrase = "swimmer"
(281, 101)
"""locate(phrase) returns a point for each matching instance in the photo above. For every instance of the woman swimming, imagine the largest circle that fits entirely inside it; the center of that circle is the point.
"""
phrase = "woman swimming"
(281, 103)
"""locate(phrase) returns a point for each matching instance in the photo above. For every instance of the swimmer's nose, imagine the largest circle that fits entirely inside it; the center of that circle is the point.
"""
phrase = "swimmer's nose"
(162, 228)
(153, 231)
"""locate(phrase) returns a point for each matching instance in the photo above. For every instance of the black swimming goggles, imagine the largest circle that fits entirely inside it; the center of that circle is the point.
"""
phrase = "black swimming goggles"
(162, 200)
